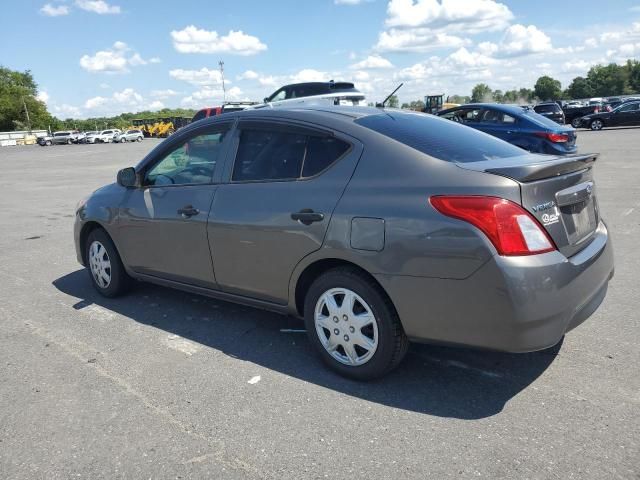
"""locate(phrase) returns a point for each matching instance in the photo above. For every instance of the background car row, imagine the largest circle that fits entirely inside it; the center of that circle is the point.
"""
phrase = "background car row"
(104, 136)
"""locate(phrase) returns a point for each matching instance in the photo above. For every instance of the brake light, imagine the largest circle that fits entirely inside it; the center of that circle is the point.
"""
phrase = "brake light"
(511, 229)
(554, 137)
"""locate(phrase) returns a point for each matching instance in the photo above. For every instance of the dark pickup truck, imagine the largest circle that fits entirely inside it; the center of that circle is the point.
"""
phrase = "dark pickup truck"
(573, 115)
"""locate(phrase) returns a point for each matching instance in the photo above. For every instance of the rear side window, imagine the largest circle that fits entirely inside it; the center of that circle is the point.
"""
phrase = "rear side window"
(321, 153)
(440, 138)
(497, 117)
(270, 155)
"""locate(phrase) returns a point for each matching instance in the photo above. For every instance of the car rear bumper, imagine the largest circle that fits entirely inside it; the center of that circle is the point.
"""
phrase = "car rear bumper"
(514, 304)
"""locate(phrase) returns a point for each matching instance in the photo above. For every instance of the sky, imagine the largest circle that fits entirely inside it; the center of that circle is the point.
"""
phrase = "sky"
(104, 57)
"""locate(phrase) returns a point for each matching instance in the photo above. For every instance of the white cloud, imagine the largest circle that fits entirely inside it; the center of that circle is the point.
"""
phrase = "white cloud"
(128, 96)
(519, 40)
(104, 85)
(309, 75)
(577, 66)
(464, 58)
(66, 111)
(155, 60)
(268, 81)
(117, 59)
(591, 42)
(349, 2)
(416, 40)
(95, 102)
(43, 96)
(372, 61)
(54, 11)
(156, 105)
(164, 93)
(195, 40)
(248, 75)
(98, 6)
(204, 76)
(470, 16)
(210, 96)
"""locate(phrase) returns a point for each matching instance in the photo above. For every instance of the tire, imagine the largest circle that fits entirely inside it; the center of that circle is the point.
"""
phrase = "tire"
(381, 330)
(69, 142)
(115, 280)
(139, 139)
(123, 140)
(575, 123)
(596, 124)
(48, 143)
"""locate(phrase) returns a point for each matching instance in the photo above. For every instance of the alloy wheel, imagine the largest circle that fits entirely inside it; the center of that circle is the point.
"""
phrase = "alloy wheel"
(596, 125)
(100, 264)
(346, 326)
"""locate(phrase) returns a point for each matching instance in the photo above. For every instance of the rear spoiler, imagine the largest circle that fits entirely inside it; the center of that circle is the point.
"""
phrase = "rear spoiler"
(549, 168)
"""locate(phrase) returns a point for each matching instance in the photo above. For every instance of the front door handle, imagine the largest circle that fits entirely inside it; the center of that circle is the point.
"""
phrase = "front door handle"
(188, 211)
(306, 216)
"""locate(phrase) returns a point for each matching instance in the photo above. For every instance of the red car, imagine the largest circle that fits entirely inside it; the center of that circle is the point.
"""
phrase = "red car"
(225, 108)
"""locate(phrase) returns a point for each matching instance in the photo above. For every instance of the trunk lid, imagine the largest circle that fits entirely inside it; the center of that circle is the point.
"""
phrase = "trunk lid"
(558, 191)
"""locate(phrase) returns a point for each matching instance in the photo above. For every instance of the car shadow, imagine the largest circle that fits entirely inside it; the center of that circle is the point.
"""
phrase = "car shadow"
(441, 381)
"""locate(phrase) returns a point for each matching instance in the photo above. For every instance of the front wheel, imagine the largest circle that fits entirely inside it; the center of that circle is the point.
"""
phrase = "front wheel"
(139, 139)
(596, 124)
(353, 325)
(69, 142)
(575, 123)
(107, 273)
(48, 143)
(123, 140)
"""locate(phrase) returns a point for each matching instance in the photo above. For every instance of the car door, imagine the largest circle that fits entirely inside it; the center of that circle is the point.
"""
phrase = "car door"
(627, 114)
(283, 185)
(499, 124)
(162, 226)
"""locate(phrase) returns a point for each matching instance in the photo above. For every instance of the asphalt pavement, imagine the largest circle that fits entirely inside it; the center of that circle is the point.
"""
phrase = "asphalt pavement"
(164, 384)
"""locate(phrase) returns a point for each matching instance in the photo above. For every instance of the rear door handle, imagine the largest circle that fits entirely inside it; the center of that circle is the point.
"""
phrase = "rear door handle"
(307, 216)
(188, 211)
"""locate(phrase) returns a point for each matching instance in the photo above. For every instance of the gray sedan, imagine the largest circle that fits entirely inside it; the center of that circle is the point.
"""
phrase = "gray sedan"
(376, 226)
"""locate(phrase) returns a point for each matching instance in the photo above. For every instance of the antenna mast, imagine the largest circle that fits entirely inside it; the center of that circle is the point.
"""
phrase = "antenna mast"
(224, 90)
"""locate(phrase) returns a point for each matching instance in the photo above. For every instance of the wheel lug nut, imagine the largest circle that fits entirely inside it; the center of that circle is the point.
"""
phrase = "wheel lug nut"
(336, 331)
(335, 319)
(345, 318)
(346, 338)
(352, 330)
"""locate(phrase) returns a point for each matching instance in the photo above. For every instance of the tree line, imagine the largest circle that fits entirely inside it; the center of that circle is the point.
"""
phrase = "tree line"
(600, 81)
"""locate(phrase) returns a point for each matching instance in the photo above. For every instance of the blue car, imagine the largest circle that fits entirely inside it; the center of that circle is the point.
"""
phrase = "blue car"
(520, 126)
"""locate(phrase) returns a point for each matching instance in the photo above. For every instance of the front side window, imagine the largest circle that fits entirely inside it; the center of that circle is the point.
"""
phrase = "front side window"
(192, 162)
(279, 95)
(629, 108)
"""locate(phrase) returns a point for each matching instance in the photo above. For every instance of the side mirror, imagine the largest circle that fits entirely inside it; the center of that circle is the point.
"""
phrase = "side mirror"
(127, 177)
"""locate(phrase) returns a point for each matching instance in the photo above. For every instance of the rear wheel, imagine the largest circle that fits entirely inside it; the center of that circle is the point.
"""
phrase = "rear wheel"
(596, 124)
(48, 143)
(353, 325)
(107, 273)
(139, 139)
(575, 123)
(123, 140)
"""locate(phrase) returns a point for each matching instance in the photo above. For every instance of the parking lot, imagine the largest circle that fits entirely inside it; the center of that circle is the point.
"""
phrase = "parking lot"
(164, 384)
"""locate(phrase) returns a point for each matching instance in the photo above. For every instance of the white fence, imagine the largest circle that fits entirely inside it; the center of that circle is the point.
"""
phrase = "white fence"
(8, 139)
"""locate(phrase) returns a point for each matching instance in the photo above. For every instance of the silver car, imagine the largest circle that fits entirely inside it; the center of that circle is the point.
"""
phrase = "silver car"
(129, 136)
(64, 137)
(376, 226)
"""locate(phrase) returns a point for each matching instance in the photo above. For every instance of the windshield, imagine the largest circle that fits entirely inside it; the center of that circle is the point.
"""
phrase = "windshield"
(61, 134)
(440, 138)
(541, 120)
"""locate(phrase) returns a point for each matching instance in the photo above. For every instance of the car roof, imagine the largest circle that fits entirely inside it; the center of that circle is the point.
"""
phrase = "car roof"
(321, 84)
(503, 107)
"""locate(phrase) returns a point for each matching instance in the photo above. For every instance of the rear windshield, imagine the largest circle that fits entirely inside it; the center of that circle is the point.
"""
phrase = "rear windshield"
(547, 108)
(440, 138)
(541, 119)
(199, 116)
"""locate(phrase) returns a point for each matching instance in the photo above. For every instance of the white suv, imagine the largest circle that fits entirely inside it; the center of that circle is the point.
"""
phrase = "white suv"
(315, 93)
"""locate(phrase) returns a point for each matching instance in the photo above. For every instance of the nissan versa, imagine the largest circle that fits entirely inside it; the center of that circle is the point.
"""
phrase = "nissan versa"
(377, 226)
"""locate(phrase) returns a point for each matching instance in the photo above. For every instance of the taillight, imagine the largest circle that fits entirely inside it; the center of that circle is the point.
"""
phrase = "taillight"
(511, 229)
(554, 137)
